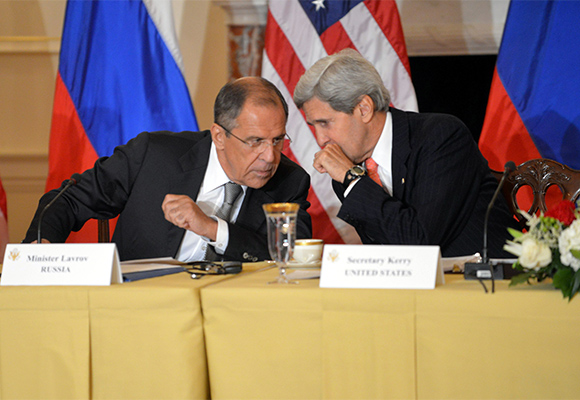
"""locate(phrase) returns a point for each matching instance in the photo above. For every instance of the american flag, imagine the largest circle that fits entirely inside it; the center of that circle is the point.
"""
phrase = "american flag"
(300, 32)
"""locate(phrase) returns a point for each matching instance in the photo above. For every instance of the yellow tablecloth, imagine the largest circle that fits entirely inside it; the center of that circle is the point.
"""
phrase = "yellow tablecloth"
(139, 340)
(302, 342)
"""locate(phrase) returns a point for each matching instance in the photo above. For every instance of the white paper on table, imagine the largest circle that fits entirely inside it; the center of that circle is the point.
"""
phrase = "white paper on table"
(457, 264)
(304, 274)
(149, 264)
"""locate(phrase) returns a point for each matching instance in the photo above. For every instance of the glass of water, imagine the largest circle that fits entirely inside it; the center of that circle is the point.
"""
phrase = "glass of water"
(281, 218)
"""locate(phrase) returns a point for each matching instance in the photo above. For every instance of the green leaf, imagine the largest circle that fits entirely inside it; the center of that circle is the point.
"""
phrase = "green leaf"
(563, 280)
(575, 284)
(575, 253)
(522, 278)
(515, 233)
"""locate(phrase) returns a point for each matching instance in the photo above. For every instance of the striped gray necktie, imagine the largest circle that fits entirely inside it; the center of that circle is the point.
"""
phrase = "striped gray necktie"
(232, 192)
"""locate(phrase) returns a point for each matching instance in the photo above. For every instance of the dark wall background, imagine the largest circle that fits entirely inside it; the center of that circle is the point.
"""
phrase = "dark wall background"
(457, 85)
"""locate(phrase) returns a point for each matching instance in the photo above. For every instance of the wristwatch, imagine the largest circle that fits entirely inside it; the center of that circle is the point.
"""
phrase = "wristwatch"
(353, 174)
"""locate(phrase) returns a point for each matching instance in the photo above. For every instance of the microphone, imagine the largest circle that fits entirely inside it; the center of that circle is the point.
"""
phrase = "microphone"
(484, 269)
(74, 179)
(508, 168)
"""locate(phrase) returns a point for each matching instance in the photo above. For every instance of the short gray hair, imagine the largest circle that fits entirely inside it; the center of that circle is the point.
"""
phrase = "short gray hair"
(341, 80)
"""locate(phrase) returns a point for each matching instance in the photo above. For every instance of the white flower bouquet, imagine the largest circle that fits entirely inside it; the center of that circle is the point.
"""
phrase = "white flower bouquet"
(549, 249)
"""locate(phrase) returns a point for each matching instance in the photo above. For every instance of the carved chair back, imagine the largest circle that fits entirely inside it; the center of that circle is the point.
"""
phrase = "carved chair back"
(539, 174)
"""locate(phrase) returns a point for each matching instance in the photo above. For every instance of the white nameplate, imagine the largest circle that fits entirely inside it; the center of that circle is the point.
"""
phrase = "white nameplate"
(381, 267)
(94, 264)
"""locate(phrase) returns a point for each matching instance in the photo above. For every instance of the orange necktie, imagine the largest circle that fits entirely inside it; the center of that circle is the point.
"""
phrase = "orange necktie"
(372, 170)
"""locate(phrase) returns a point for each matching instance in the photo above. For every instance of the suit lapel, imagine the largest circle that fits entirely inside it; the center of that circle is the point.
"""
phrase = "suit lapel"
(193, 166)
(251, 213)
(188, 182)
(401, 151)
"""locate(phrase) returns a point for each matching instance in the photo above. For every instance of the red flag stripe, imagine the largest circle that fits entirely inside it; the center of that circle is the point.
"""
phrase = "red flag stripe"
(375, 46)
(292, 33)
(335, 39)
(387, 17)
(505, 137)
(3, 202)
(514, 143)
(282, 66)
(298, 29)
(292, 45)
(67, 128)
(282, 56)
(302, 151)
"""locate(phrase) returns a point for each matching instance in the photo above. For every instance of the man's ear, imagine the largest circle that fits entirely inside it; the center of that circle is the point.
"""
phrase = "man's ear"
(218, 136)
(365, 109)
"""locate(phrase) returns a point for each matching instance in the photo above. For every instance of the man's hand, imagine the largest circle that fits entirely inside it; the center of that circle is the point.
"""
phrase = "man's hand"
(331, 160)
(183, 212)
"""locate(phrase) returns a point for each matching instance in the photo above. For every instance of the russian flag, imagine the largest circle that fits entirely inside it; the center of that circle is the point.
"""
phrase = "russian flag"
(534, 103)
(299, 33)
(120, 73)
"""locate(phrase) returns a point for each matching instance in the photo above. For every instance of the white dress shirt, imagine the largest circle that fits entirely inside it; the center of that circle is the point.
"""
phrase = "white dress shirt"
(383, 156)
(209, 200)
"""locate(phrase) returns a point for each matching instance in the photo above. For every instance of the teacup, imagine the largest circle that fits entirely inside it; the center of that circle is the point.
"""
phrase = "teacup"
(308, 250)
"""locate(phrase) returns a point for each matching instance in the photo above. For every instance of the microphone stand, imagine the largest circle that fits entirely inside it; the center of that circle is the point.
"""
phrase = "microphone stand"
(476, 270)
(74, 179)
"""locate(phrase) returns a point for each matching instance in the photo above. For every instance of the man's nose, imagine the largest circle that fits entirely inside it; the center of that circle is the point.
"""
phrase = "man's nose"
(269, 154)
(321, 138)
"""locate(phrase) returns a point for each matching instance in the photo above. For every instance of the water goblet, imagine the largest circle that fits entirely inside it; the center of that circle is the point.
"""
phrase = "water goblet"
(281, 219)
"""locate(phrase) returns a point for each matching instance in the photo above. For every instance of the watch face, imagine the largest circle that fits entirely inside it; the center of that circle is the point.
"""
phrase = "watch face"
(357, 170)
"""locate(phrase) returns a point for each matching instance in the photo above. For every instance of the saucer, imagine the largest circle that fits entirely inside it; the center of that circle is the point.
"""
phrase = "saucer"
(297, 264)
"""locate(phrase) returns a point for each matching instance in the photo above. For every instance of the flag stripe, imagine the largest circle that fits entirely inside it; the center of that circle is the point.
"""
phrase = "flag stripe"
(538, 69)
(335, 38)
(303, 148)
(3, 203)
(387, 18)
(503, 117)
(66, 128)
(282, 57)
(296, 26)
(113, 69)
(298, 34)
(118, 75)
(322, 17)
(284, 71)
(363, 30)
(162, 15)
(3, 221)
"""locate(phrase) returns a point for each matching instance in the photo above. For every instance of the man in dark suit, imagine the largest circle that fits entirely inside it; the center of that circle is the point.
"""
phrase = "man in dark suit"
(402, 177)
(168, 188)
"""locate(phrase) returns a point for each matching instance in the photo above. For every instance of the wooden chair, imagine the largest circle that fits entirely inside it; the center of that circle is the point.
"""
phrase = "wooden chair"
(103, 231)
(539, 174)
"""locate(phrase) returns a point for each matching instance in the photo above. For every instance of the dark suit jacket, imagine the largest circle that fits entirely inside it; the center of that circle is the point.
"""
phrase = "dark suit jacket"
(134, 181)
(442, 186)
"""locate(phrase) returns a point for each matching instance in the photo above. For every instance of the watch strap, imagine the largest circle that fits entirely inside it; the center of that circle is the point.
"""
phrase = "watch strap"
(353, 174)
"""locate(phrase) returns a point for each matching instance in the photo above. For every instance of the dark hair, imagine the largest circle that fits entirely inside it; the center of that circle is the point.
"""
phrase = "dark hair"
(233, 96)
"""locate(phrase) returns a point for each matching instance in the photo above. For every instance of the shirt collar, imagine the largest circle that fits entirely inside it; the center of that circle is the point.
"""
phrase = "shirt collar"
(383, 153)
(215, 175)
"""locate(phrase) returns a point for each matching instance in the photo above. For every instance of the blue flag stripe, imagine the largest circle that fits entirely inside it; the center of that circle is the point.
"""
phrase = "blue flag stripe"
(539, 65)
(120, 74)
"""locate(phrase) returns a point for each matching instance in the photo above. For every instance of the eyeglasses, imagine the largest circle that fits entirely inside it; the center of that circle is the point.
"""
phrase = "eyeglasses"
(258, 145)
(198, 269)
